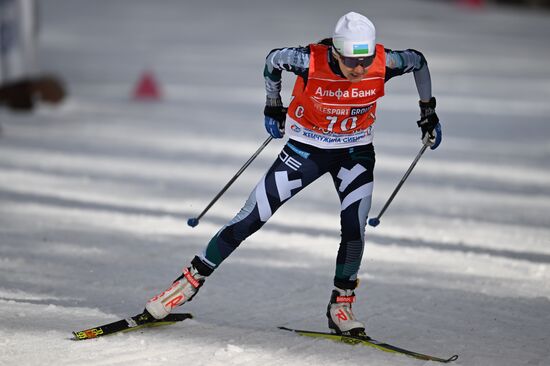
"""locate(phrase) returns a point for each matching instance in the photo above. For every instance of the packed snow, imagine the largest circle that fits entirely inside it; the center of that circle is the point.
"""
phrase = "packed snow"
(95, 193)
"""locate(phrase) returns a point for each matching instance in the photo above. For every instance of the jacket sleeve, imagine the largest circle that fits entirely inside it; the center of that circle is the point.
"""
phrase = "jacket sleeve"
(402, 62)
(294, 60)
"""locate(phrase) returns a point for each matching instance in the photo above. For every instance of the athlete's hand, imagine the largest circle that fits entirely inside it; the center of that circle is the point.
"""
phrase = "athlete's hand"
(274, 118)
(429, 124)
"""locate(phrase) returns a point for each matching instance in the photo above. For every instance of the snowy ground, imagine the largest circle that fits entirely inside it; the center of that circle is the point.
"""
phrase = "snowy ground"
(95, 194)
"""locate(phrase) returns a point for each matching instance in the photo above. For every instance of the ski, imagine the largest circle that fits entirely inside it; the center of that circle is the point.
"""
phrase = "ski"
(368, 341)
(136, 322)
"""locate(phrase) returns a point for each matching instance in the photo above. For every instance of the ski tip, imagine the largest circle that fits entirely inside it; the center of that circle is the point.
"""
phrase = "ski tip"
(285, 328)
(453, 358)
(87, 334)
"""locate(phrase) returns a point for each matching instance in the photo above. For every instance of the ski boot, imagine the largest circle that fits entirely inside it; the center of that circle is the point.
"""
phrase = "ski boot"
(183, 289)
(340, 316)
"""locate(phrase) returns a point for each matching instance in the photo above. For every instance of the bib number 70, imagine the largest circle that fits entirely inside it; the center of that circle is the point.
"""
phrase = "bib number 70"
(348, 123)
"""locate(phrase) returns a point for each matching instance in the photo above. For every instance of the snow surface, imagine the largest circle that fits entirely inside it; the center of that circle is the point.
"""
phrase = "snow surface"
(95, 194)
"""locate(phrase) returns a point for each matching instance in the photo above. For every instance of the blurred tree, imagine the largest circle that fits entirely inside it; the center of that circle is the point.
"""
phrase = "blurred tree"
(21, 84)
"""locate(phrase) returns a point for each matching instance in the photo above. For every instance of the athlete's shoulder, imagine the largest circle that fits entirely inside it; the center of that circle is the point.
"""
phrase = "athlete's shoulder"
(292, 59)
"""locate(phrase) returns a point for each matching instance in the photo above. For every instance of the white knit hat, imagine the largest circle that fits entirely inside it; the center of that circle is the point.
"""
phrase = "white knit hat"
(354, 36)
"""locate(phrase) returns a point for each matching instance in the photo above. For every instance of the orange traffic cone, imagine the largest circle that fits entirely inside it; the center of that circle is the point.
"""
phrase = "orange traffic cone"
(147, 88)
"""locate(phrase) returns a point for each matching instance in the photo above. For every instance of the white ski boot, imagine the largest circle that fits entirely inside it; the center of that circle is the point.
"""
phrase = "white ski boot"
(340, 316)
(182, 290)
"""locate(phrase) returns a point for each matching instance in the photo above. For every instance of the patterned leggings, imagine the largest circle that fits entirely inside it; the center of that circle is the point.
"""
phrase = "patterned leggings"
(297, 166)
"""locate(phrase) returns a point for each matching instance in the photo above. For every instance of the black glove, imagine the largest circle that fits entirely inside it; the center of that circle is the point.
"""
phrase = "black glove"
(274, 119)
(429, 124)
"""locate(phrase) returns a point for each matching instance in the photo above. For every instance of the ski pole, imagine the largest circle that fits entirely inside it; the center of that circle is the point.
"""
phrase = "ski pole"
(195, 220)
(376, 220)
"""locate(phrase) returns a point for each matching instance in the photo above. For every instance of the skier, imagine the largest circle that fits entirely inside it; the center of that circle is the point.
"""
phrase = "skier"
(332, 114)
